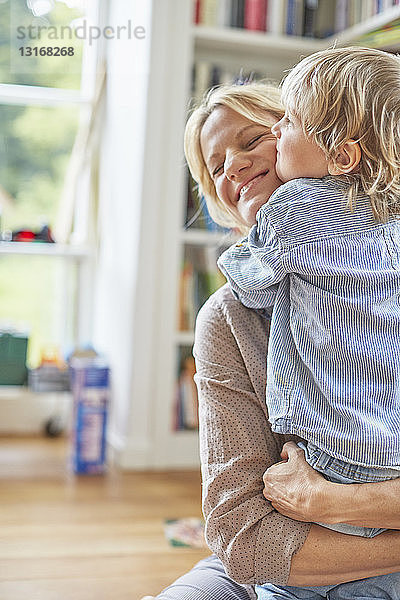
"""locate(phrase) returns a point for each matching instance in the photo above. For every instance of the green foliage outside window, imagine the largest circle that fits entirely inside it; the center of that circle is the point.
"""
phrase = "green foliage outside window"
(35, 142)
(35, 146)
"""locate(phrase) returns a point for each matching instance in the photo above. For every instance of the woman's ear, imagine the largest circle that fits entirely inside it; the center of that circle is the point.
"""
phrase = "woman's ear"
(347, 159)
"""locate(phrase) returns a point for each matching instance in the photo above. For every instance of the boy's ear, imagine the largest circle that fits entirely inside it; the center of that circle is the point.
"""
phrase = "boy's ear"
(347, 159)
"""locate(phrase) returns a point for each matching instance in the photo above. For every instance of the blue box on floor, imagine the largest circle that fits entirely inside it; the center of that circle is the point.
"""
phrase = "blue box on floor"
(90, 384)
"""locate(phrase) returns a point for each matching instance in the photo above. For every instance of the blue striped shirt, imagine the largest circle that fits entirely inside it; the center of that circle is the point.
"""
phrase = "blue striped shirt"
(331, 279)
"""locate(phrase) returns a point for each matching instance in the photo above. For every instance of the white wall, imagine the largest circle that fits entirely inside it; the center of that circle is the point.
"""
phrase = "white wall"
(121, 184)
(135, 176)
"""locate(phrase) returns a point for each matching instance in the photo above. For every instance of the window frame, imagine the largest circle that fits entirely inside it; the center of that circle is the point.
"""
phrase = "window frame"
(78, 256)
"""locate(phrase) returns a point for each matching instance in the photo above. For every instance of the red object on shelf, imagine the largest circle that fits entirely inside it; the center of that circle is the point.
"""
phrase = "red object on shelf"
(255, 15)
(24, 235)
(197, 12)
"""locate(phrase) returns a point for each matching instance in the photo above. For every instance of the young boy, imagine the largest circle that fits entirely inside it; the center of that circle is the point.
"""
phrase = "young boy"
(324, 256)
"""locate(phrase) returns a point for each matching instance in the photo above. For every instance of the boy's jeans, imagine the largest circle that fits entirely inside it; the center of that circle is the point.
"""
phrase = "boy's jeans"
(385, 586)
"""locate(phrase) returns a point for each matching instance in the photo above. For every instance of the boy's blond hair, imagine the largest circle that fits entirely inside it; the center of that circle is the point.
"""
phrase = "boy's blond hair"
(256, 101)
(353, 93)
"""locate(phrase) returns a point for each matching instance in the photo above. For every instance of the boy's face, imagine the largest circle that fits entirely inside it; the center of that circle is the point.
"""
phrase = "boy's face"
(297, 155)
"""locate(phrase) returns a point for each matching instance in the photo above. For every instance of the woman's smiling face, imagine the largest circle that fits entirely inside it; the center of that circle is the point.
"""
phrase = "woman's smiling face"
(240, 156)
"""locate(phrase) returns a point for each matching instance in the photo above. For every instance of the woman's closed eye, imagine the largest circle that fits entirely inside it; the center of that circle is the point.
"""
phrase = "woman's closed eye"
(217, 170)
(268, 135)
(255, 139)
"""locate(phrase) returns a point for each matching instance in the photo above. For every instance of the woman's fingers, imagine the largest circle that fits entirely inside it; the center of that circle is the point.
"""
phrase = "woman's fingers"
(291, 450)
(293, 487)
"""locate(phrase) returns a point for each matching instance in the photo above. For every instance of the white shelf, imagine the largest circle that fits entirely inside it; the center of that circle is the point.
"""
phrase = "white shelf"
(15, 391)
(203, 237)
(184, 338)
(41, 96)
(239, 41)
(25, 412)
(265, 53)
(44, 249)
(24, 392)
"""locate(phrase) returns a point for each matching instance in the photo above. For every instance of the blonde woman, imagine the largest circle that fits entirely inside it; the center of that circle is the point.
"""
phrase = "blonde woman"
(253, 543)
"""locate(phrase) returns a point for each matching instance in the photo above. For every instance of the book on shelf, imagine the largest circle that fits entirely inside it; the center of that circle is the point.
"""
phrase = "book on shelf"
(340, 15)
(310, 18)
(387, 36)
(196, 12)
(275, 18)
(185, 410)
(224, 13)
(237, 13)
(295, 17)
(206, 74)
(197, 215)
(325, 18)
(208, 12)
(255, 15)
(199, 278)
(310, 11)
(186, 314)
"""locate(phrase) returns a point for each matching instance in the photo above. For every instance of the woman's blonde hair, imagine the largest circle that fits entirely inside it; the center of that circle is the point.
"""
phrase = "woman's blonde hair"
(353, 93)
(256, 101)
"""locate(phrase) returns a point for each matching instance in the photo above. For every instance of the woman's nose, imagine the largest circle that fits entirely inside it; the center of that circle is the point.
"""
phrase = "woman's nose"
(236, 166)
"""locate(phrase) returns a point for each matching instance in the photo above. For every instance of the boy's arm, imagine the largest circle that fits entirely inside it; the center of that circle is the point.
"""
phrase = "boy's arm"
(254, 267)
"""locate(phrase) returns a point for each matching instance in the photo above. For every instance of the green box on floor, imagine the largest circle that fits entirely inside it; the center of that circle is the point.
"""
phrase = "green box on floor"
(13, 369)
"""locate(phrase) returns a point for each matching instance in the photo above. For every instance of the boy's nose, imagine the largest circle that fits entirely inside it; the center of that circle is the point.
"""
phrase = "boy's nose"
(276, 129)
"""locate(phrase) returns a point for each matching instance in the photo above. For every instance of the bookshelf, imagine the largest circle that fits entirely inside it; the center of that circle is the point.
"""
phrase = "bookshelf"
(152, 441)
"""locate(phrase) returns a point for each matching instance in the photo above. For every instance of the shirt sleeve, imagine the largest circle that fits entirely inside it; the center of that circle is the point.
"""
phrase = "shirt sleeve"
(255, 543)
(255, 267)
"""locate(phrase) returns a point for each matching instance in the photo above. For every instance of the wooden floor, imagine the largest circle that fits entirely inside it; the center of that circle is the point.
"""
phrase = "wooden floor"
(95, 538)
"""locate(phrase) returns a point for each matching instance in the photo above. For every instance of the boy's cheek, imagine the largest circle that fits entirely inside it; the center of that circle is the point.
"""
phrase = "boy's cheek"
(279, 171)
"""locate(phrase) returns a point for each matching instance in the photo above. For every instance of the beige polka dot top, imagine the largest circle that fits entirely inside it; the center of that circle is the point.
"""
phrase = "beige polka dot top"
(254, 542)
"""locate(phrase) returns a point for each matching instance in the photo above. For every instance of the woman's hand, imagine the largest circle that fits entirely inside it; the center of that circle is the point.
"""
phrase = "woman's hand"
(294, 488)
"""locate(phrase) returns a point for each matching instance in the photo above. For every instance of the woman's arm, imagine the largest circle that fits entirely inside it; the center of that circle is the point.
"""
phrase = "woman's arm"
(328, 557)
(299, 492)
(255, 542)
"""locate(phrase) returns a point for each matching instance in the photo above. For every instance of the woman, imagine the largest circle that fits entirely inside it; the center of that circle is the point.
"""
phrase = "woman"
(231, 154)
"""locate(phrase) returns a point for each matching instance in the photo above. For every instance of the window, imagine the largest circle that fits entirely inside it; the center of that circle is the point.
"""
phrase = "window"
(47, 74)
